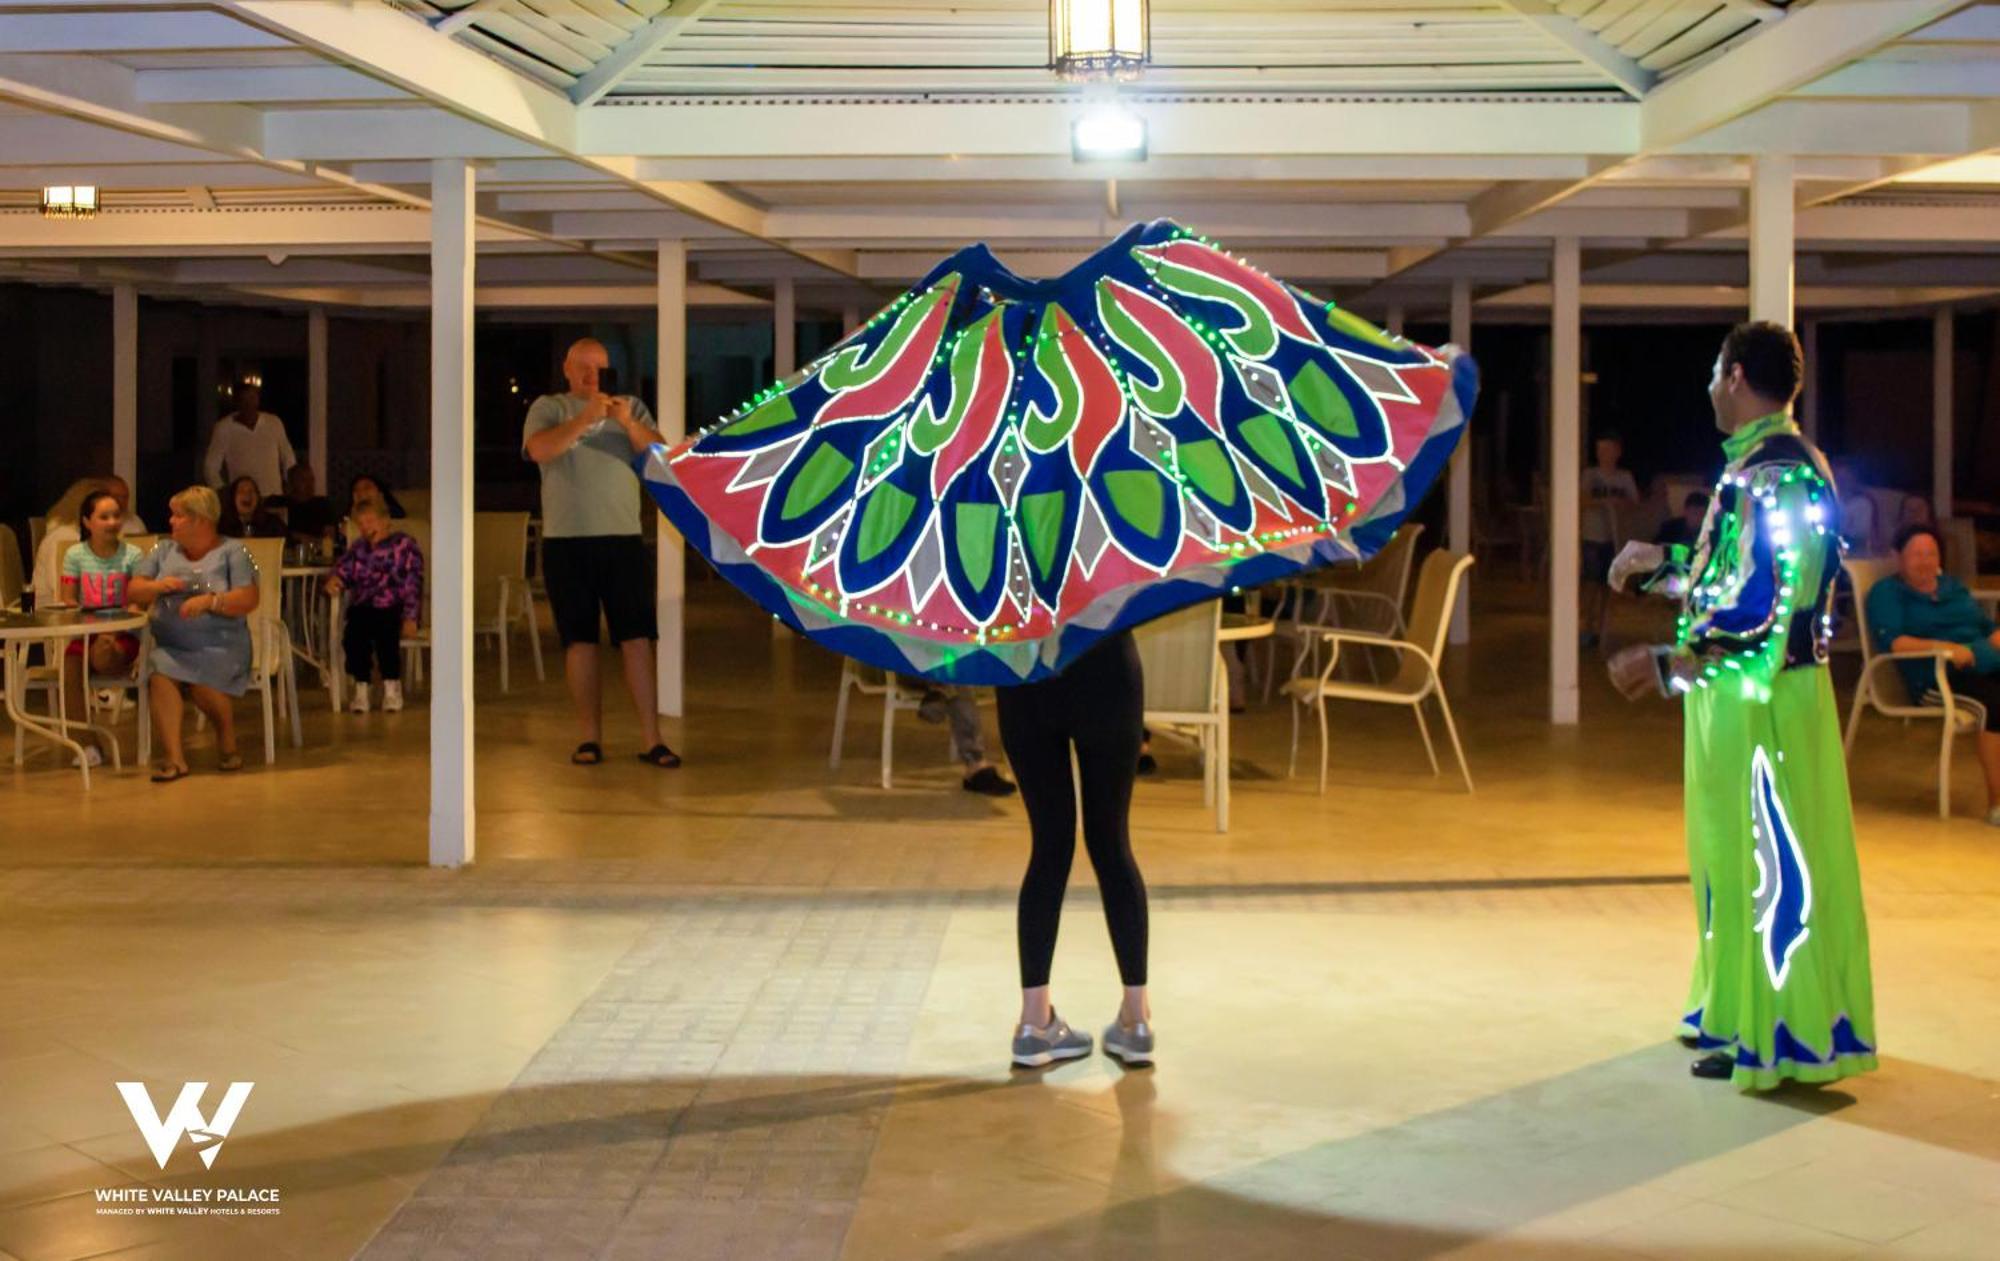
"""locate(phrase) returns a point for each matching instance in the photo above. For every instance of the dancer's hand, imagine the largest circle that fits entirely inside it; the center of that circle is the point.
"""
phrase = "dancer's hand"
(1636, 560)
(1635, 672)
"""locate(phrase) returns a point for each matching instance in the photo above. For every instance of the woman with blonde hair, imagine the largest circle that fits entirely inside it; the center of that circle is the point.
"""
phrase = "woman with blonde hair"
(59, 535)
(203, 588)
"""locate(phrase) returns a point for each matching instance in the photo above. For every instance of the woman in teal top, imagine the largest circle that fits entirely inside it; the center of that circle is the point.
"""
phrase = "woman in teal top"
(1923, 609)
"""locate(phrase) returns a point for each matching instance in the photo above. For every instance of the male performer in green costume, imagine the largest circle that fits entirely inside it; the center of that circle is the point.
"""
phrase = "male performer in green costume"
(1781, 981)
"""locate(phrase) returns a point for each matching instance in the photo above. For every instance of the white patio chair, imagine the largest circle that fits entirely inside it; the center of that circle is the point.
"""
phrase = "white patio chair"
(416, 647)
(501, 598)
(868, 681)
(1368, 597)
(1882, 688)
(1187, 692)
(1416, 679)
(272, 671)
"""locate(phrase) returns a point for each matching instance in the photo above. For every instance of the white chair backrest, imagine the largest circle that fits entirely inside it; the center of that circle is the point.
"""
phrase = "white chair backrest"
(1178, 655)
(144, 542)
(1864, 574)
(269, 557)
(416, 502)
(37, 527)
(1387, 573)
(419, 529)
(499, 550)
(11, 579)
(1961, 549)
(1430, 616)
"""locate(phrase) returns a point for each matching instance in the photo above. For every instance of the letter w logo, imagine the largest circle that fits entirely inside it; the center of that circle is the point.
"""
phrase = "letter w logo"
(185, 1118)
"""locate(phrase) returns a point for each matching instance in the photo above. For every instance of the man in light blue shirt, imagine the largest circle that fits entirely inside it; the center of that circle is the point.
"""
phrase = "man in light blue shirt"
(594, 557)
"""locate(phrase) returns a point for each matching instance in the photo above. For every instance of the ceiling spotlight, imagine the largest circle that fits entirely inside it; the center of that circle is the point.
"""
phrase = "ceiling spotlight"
(69, 201)
(1098, 41)
(1108, 133)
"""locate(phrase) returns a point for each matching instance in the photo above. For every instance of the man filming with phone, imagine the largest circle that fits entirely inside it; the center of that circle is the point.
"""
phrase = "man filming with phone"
(594, 557)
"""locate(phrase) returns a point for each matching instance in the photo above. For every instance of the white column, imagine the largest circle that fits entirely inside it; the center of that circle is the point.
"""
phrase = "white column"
(670, 409)
(452, 253)
(125, 384)
(1809, 404)
(316, 395)
(1771, 239)
(1395, 324)
(784, 328)
(784, 353)
(1942, 341)
(1565, 466)
(1458, 505)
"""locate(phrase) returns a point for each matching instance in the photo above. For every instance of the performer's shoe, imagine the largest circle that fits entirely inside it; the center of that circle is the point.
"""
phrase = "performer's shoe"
(1130, 1045)
(1691, 1042)
(1718, 1066)
(1035, 1047)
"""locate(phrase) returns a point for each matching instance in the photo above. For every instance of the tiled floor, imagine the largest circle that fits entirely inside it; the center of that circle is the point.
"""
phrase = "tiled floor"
(756, 1009)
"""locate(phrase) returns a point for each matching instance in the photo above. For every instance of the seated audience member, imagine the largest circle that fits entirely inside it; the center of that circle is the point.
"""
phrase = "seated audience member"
(122, 492)
(1859, 525)
(60, 532)
(382, 573)
(1685, 528)
(244, 516)
(366, 487)
(310, 517)
(94, 577)
(1914, 510)
(959, 707)
(1923, 609)
(202, 588)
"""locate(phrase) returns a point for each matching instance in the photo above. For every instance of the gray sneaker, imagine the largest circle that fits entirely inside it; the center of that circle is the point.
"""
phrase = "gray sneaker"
(1132, 1046)
(1054, 1041)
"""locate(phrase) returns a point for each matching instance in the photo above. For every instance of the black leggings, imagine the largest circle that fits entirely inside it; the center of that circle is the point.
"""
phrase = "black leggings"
(1097, 704)
(372, 636)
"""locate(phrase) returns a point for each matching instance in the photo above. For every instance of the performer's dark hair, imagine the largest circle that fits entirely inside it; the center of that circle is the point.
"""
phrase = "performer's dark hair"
(1912, 530)
(1772, 361)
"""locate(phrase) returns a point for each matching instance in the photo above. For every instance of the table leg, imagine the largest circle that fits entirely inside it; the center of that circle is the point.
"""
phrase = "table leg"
(17, 664)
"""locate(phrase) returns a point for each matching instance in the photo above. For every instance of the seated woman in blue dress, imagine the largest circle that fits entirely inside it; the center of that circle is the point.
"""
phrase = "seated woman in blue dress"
(202, 588)
(1924, 609)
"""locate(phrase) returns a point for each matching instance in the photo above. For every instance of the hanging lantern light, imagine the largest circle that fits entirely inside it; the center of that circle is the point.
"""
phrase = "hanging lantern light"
(1099, 40)
(69, 201)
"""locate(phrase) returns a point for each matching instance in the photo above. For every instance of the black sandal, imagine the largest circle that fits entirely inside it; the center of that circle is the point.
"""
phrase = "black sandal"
(587, 754)
(661, 756)
(167, 773)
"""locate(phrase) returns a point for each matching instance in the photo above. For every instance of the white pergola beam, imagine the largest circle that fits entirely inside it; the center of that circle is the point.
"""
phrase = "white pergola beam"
(391, 46)
(1812, 40)
(1061, 168)
(643, 44)
(1040, 126)
(157, 30)
(248, 84)
(1566, 32)
(233, 231)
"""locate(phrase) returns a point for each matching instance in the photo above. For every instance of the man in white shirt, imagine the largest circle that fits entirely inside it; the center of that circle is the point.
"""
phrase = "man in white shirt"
(249, 443)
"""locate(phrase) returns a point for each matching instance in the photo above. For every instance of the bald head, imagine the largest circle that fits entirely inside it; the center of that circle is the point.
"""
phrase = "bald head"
(581, 366)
